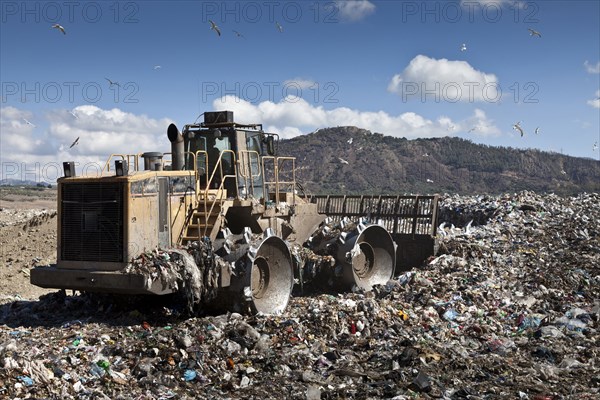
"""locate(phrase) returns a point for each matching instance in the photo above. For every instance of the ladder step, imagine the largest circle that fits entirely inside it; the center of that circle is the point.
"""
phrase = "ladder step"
(196, 226)
(203, 221)
(204, 213)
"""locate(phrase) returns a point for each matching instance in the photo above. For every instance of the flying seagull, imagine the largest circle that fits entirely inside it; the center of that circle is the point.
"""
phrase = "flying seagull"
(343, 161)
(473, 129)
(429, 180)
(74, 142)
(534, 33)
(450, 128)
(517, 127)
(279, 27)
(110, 83)
(537, 130)
(157, 67)
(350, 140)
(238, 34)
(214, 27)
(28, 123)
(595, 146)
(463, 47)
(60, 28)
(73, 114)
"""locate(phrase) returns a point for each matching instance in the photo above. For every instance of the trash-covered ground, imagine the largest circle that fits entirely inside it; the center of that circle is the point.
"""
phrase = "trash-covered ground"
(509, 309)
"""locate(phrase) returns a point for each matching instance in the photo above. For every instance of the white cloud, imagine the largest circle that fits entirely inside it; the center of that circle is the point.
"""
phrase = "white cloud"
(17, 135)
(37, 153)
(592, 69)
(595, 102)
(480, 125)
(299, 83)
(291, 117)
(497, 3)
(101, 133)
(354, 10)
(429, 79)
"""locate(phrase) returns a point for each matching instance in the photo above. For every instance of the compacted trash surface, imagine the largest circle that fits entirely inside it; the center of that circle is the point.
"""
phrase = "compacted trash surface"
(508, 309)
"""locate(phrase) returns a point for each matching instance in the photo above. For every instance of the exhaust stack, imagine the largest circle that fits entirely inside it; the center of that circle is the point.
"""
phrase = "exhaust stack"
(177, 149)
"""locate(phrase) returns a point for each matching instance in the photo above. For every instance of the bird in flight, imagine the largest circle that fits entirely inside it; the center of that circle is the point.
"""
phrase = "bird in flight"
(534, 32)
(279, 27)
(350, 140)
(238, 34)
(595, 147)
(214, 27)
(343, 161)
(73, 114)
(517, 127)
(28, 123)
(110, 83)
(473, 129)
(74, 142)
(157, 67)
(537, 130)
(463, 47)
(60, 28)
(429, 180)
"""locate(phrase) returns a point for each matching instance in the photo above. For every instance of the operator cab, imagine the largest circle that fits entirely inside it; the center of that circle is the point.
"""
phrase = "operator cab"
(227, 154)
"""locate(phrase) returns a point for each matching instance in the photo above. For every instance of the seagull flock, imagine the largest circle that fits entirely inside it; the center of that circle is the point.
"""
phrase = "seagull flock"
(517, 127)
(215, 27)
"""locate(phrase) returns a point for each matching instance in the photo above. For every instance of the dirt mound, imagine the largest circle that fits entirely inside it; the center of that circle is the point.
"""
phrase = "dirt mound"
(27, 239)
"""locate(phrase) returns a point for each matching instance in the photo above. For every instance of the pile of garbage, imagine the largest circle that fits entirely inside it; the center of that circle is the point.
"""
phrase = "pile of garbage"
(191, 271)
(509, 309)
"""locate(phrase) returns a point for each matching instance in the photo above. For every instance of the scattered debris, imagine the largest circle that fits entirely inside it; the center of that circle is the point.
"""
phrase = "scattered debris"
(508, 309)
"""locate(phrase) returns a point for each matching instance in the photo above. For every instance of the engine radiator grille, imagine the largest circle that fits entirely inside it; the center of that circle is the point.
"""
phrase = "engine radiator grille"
(92, 222)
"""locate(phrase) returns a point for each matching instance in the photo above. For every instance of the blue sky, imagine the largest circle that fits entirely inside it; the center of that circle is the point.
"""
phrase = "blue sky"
(394, 67)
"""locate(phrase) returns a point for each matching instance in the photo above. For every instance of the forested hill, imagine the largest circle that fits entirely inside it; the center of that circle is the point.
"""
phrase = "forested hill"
(350, 160)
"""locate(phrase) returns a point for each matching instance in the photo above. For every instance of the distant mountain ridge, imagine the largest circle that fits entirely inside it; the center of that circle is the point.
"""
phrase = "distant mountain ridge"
(350, 160)
(19, 182)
